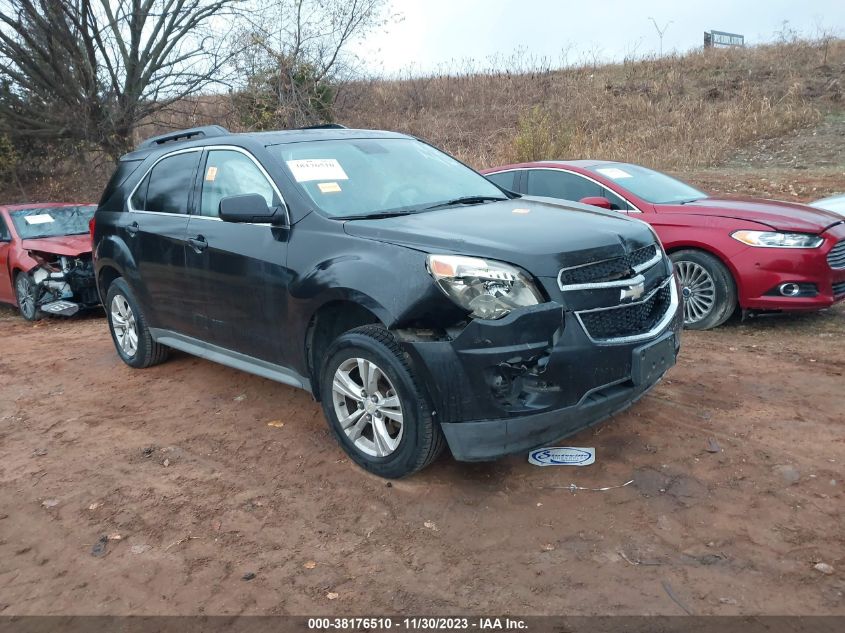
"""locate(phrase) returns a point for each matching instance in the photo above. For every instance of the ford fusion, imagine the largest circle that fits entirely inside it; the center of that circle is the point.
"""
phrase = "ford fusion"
(758, 255)
(422, 305)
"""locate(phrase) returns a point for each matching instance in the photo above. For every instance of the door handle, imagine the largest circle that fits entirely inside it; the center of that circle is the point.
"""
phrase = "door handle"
(198, 243)
(133, 229)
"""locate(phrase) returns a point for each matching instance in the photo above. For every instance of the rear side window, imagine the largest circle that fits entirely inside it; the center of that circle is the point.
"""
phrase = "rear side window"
(560, 184)
(504, 179)
(111, 200)
(167, 188)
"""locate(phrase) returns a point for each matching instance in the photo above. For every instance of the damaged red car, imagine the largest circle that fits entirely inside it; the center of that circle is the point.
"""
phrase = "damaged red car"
(45, 259)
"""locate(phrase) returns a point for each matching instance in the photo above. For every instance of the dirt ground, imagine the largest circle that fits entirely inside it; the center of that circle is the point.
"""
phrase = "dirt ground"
(208, 474)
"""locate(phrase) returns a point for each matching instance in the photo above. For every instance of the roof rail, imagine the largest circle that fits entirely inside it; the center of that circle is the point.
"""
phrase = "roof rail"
(324, 126)
(184, 135)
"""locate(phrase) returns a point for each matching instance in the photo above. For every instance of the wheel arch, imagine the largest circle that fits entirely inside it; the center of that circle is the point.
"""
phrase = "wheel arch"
(706, 248)
(329, 321)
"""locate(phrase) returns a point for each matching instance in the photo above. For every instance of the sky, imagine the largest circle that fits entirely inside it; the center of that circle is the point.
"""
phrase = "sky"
(438, 35)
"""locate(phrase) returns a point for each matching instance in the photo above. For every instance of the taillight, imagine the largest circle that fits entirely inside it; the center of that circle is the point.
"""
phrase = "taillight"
(91, 225)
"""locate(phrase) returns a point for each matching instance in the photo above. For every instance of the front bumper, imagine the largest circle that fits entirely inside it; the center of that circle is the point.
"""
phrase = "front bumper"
(530, 378)
(762, 270)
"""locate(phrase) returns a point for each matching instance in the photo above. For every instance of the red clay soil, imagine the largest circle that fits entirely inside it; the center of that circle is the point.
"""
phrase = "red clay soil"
(207, 474)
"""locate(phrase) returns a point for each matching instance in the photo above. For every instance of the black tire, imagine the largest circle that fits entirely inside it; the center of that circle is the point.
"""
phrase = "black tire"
(723, 295)
(421, 440)
(146, 351)
(26, 294)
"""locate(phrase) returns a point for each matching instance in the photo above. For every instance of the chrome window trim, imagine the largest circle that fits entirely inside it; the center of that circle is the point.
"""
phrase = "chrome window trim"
(639, 268)
(657, 329)
(633, 208)
(209, 148)
(131, 195)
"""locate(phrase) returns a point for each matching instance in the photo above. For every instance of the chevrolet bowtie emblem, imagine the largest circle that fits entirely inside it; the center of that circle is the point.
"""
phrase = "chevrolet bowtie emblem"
(632, 292)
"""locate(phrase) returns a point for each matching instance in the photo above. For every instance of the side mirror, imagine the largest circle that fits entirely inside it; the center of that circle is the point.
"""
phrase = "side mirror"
(597, 201)
(251, 207)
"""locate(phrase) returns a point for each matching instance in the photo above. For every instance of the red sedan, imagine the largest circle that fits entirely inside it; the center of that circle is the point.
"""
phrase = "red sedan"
(760, 255)
(45, 259)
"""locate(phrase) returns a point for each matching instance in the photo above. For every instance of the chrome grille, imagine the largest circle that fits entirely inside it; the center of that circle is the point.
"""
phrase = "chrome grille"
(637, 320)
(836, 256)
(839, 289)
(610, 269)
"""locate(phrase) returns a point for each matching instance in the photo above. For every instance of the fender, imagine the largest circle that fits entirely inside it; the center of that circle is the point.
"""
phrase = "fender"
(112, 252)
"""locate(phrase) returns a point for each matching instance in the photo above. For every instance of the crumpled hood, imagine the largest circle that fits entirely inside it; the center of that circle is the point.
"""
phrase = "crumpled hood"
(551, 235)
(782, 216)
(68, 245)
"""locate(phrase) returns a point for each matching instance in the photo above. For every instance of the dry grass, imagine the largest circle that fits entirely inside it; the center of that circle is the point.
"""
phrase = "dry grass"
(674, 112)
(678, 112)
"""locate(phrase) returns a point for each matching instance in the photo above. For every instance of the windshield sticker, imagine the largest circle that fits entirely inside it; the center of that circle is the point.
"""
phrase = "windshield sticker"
(211, 174)
(521, 211)
(309, 169)
(41, 218)
(562, 456)
(329, 187)
(614, 173)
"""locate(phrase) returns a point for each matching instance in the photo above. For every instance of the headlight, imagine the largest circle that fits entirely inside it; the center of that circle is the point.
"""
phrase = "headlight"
(488, 289)
(775, 239)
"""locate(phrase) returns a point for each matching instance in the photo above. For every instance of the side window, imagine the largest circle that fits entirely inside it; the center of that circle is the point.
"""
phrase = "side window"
(504, 179)
(616, 203)
(230, 173)
(560, 184)
(167, 187)
(5, 236)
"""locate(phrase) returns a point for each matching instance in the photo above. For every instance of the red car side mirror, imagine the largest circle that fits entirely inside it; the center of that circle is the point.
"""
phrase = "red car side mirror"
(597, 201)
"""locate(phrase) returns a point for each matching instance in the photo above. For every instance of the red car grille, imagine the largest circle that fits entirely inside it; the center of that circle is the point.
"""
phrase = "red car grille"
(836, 256)
(839, 290)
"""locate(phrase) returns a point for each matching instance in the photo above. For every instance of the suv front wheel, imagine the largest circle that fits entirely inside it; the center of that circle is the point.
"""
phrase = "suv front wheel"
(375, 405)
(129, 330)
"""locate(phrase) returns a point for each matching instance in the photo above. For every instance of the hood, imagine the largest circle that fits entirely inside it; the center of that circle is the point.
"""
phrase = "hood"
(540, 235)
(781, 216)
(68, 245)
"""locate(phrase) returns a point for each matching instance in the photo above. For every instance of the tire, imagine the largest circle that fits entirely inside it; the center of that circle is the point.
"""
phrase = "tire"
(373, 438)
(708, 289)
(26, 294)
(129, 330)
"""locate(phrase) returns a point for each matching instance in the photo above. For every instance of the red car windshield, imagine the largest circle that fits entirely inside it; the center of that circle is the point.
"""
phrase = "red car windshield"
(651, 186)
(33, 224)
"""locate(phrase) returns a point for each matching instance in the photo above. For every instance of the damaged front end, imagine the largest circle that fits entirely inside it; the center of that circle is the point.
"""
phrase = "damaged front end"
(63, 284)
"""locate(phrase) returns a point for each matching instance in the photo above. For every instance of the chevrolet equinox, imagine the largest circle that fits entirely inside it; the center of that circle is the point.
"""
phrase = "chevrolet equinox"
(421, 304)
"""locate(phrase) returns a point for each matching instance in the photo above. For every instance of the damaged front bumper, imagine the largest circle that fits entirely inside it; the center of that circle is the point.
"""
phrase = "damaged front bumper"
(65, 286)
(533, 377)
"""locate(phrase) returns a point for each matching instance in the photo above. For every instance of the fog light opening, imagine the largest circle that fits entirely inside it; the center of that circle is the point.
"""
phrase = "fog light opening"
(790, 289)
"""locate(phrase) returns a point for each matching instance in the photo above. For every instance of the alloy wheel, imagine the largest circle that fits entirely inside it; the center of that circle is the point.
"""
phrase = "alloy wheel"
(124, 325)
(698, 290)
(25, 289)
(367, 407)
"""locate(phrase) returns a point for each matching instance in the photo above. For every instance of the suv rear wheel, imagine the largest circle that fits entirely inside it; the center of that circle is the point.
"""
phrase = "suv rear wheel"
(129, 330)
(709, 292)
(375, 405)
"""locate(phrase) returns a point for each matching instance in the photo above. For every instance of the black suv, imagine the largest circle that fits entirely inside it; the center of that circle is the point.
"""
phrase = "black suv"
(419, 302)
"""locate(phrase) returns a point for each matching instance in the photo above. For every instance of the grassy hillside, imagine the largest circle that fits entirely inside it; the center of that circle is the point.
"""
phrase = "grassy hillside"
(676, 112)
(684, 113)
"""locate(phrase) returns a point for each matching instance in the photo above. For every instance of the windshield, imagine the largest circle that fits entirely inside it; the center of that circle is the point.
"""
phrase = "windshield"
(370, 177)
(651, 186)
(52, 221)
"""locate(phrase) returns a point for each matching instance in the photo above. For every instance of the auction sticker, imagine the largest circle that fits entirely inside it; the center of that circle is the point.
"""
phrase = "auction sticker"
(41, 218)
(308, 169)
(614, 173)
(562, 456)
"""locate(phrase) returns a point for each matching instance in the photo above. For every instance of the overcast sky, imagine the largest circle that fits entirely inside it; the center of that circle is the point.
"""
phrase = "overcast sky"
(435, 34)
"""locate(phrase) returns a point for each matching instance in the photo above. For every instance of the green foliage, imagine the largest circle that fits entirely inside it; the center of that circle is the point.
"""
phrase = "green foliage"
(280, 97)
(541, 135)
(8, 156)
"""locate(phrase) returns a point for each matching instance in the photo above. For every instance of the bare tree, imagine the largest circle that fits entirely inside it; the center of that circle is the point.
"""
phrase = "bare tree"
(296, 55)
(88, 71)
